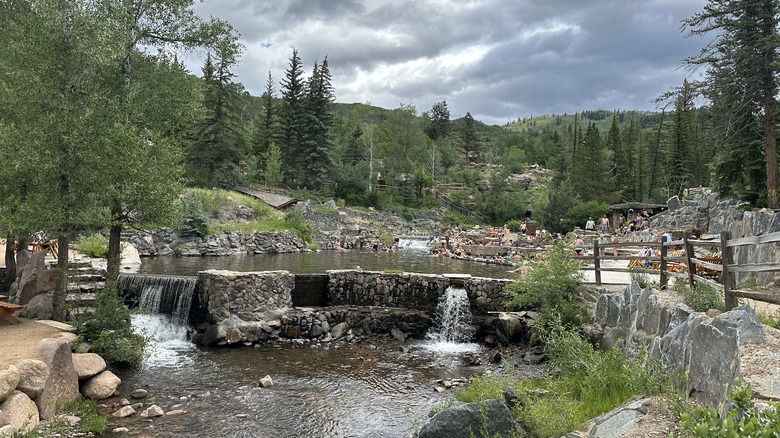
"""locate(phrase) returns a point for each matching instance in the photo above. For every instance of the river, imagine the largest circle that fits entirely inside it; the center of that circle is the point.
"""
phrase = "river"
(320, 389)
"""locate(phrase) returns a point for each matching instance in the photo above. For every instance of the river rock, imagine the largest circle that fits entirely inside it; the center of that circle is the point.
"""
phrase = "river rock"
(120, 430)
(152, 411)
(19, 412)
(9, 378)
(124, 411)
(139, 393)
(266, 382)
(88, 364)
(32, 377)
(175, 412)
(489, 418)
(339, 330)
(62, 383)
(100, 386)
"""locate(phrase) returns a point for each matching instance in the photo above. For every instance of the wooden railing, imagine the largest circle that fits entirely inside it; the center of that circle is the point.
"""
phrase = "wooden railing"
(718, 273)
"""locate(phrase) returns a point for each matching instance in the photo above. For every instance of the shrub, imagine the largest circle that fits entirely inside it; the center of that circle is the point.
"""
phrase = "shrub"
(514, 225)
(109, 332)
(744, 419)
(640, 278)
(194, 220)
(700, 298)
(94, 245)
(550, 286)
(298, 223)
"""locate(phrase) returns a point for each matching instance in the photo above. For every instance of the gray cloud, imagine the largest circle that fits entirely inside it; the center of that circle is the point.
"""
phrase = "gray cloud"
(498, 59)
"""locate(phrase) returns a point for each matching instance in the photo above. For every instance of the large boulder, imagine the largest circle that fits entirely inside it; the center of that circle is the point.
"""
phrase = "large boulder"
(62, 384)
(489, 418)
(18, 412)
(39, 307)
(101, 386)
(9, 378)
(48, 280)
(88, 364)
(129, 260)
(28, 283)
(33, 375)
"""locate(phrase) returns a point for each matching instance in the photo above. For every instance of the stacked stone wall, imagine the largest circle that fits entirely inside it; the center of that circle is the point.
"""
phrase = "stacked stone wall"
(246, 295)
(370, 288)
(486, 294)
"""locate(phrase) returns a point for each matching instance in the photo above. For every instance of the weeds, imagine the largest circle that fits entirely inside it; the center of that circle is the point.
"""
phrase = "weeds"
(641, 278)
(700, 298)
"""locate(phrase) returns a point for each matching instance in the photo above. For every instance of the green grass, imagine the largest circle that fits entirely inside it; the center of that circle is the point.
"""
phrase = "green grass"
(94, 245)
(590, 383)
(214, 201)
(700, 298)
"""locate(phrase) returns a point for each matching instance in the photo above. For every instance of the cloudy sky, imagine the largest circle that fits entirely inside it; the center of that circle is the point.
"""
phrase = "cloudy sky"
(497, 59)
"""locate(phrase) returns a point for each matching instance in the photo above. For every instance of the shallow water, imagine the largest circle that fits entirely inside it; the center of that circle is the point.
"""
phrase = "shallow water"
(332, 390)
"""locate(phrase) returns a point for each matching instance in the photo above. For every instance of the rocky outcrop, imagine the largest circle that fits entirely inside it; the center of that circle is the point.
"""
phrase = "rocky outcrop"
(488, 418)
(706, 353)
(167, 241)
(711, 215)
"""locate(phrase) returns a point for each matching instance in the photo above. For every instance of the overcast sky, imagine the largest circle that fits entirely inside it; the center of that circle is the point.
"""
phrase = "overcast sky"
(497, 59)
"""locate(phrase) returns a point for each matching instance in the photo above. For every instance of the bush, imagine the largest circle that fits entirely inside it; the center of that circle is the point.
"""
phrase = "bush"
(744, 419)
(700, 298)
(640, 278)
(109, 332)
(550, 286)
(94, 245)
(298, 223)
(515, 226)
(194, 220)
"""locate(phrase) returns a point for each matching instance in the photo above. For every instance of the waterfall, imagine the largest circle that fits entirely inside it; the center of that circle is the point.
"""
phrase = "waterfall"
(414, 242)
(452, 321)
(168, 295)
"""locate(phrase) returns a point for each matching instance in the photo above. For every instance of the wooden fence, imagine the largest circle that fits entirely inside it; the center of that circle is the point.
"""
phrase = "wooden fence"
(678, 259)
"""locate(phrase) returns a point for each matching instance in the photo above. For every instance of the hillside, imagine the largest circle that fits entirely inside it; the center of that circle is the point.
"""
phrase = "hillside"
(602, 119)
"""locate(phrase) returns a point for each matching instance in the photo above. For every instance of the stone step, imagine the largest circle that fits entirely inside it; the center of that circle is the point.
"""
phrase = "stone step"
(87, 286)
(88, 278)
(76, 312)
(84, 297)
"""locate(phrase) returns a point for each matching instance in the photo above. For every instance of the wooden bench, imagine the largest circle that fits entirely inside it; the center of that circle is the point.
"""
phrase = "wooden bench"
(7, 311)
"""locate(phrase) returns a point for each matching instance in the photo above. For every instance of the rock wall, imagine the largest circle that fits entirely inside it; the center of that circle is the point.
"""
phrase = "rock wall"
(249, 296)
(255, 307)
(712, 216)
(707, 352)
(166, 241)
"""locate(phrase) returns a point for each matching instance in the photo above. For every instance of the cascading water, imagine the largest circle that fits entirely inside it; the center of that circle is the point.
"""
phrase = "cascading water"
(414, 242)
(452, 330)
(168, 300)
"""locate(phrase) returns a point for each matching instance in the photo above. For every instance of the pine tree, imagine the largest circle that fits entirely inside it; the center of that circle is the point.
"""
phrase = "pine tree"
(680, 145)
(317, 143)
(219, 142)
(292, 121)
(621, 164)
(469, 142)
(266, 126)
(440, 121)
(742, 85)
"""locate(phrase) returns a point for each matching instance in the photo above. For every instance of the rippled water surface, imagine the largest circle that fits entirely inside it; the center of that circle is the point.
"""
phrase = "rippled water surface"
(334, 390)
(409, 260)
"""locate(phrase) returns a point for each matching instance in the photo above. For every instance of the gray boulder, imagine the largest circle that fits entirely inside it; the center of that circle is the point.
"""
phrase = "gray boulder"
(18, 412)
(62, 383)
(27, 284)
(620, 421)
(88, 364)
(339, 330)
(101, 386)
(9, 378)
(674, 203)
(489, 418)
(33, 374)
(39, 307)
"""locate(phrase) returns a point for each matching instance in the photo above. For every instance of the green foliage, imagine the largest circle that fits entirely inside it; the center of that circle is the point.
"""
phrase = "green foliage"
(316, 196)
(590, 382)
(108, 330)
(90, 422)
(579, 214)
(193, 217)
(402, 212)
(550, 286)
(515, 225)
(273, 166)
(640, 278)
(298, 223)
(770, 320)
(700, 298)
(551, 211)
(93, 245)
(744, 420)
(314, 246)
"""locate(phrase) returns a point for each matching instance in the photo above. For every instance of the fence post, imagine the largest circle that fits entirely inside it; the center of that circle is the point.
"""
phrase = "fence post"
(596, 261)
(664, 280)
(688, 257)
(727, 277)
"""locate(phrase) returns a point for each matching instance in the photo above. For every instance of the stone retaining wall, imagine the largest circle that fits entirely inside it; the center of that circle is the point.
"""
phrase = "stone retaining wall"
(249, 296)
(167, 241)
(707, 353)
(370, 288)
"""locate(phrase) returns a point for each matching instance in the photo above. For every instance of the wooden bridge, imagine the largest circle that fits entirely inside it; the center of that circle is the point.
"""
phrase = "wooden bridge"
(275, 200)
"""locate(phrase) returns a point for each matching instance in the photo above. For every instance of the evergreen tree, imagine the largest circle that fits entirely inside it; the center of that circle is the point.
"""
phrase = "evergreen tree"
(621, 164)
(317, 143)
(742, 85)
(219, 143)
(273, 166)
(680, 145)
(266, 125)
(440, 121)
(469, 143)
(292, 120)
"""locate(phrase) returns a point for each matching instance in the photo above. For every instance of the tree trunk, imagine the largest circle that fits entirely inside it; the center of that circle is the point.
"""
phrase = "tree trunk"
(770, 89)
(10, 264)
(114, 253)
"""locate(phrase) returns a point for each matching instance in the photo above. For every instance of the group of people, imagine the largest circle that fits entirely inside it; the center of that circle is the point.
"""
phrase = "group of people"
(380, 246)
(639, 222)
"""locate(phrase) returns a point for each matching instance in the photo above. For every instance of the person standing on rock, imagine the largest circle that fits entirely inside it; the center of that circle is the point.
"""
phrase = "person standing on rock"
(590, 225)
(376, 244)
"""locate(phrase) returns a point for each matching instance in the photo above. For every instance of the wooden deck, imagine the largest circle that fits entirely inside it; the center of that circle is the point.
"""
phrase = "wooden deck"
(276, 201)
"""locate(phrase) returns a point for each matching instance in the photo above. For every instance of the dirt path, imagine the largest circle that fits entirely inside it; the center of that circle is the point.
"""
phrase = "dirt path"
(19, 341)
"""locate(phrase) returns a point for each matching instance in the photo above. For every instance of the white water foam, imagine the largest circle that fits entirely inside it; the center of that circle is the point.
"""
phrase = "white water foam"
(452, 330)
(168, 340)
(422, 243)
